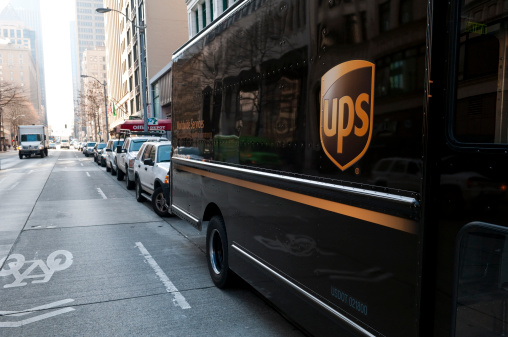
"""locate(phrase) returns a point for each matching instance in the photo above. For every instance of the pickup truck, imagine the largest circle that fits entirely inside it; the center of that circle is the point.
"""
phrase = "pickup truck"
(151, 174)
(127, 154)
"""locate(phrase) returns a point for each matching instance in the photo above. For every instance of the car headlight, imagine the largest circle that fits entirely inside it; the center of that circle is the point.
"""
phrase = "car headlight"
(20, 147)
(131, 163)
(41, 147)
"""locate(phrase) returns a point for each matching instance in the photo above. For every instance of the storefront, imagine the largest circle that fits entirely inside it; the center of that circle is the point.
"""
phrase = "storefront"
(138, 125)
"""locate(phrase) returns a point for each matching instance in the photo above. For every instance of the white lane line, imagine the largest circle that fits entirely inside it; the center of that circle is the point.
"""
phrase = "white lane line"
(178, 298)
(88, 174)
(13, 185)
(101, 193)
(81, 164)
(30, 172)
(35, 319)
(42, 307)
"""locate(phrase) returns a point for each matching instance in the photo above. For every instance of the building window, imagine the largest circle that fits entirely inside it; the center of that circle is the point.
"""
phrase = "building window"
(406, 11)
(224, 5)
(203, 13)
(156, 101)
(197, 21)
(211, 10)
(384, 17)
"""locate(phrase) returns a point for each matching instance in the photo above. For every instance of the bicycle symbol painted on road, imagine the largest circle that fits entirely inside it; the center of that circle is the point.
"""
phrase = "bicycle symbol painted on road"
(56, 261)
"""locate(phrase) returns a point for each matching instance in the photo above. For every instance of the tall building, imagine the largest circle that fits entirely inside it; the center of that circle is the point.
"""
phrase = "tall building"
(18, 57)
(29, 11)
(89, 34)
(93, 65)
(164, 35)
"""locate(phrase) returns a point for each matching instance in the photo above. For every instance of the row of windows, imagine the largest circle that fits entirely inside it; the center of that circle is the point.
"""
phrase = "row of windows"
(200, 14)
(13, 33)
(84, 4)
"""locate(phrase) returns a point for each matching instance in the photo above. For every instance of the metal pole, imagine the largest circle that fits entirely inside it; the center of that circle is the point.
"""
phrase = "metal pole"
(143, 76)
(106, 110)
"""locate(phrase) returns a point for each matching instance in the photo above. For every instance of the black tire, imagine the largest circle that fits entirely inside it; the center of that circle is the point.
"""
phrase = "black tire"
(20, 156)
(119, 174)
(130, 184)
(113, 171)
(103, 163)
(108, 168)
(217, 251)
(42, 154)
(159, 203)
(139, 197)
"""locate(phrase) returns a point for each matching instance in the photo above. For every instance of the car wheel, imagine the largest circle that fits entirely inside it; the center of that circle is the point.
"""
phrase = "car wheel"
(159, 203)
(20, 156)
(130, 183)
(113, 171)
(119, 174)
(108, 169)
(217, 252)
(139, 197)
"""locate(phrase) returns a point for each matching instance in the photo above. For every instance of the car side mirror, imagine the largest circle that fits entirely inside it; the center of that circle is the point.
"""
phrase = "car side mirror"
(148, 162)
(119, 149)
(108, 150)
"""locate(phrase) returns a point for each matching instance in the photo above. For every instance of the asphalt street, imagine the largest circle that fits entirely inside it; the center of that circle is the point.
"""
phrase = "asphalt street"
(81, 257)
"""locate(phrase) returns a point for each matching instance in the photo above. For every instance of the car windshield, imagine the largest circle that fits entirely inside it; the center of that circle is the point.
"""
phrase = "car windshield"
(164, 153)
(101, 145)
(90, 144)
(136, 144)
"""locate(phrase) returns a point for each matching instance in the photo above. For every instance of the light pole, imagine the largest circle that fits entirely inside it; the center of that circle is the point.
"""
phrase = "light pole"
(105, 103)
(141, 32)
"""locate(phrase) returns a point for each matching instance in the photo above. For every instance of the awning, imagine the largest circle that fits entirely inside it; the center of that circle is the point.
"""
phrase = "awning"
(139, 125)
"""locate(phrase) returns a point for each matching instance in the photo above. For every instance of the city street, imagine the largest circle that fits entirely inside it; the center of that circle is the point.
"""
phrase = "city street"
(81, 257)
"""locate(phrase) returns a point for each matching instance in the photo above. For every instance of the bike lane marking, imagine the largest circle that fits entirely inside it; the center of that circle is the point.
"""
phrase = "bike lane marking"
(53, 263)
(178, 298)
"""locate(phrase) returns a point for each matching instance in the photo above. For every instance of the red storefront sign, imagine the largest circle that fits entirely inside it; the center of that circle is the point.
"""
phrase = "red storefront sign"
(139, 125)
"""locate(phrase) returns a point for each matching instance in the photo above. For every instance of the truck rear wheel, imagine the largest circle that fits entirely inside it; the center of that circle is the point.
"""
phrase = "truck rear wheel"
(217, 252)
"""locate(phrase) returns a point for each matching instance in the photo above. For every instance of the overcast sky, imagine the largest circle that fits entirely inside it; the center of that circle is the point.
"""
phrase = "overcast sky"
(56, 15)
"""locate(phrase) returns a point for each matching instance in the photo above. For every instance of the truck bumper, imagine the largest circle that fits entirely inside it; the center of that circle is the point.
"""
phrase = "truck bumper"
(30, 152)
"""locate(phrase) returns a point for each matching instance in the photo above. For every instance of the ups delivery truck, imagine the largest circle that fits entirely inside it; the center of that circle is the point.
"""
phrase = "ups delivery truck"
(33, 140)
(348, 159)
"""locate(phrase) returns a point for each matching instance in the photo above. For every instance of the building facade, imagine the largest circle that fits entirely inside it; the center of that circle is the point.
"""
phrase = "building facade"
(89, 33)
(29, 11)
(166, 31)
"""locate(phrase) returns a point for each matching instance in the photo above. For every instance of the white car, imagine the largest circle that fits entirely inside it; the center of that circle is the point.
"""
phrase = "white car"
(151, 174)
(111, 155)
(88, 149)
(126, 156)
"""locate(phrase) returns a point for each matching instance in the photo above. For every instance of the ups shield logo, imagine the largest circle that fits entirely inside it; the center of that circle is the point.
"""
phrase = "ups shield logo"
(347, 111)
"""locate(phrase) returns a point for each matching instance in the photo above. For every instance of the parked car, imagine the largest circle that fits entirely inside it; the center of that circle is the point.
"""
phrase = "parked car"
(97, 151)
(111, 155)
(127, 154)
(151, 174)
(82, 146)
(52, 145)
(102, 158)
(88, 148)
